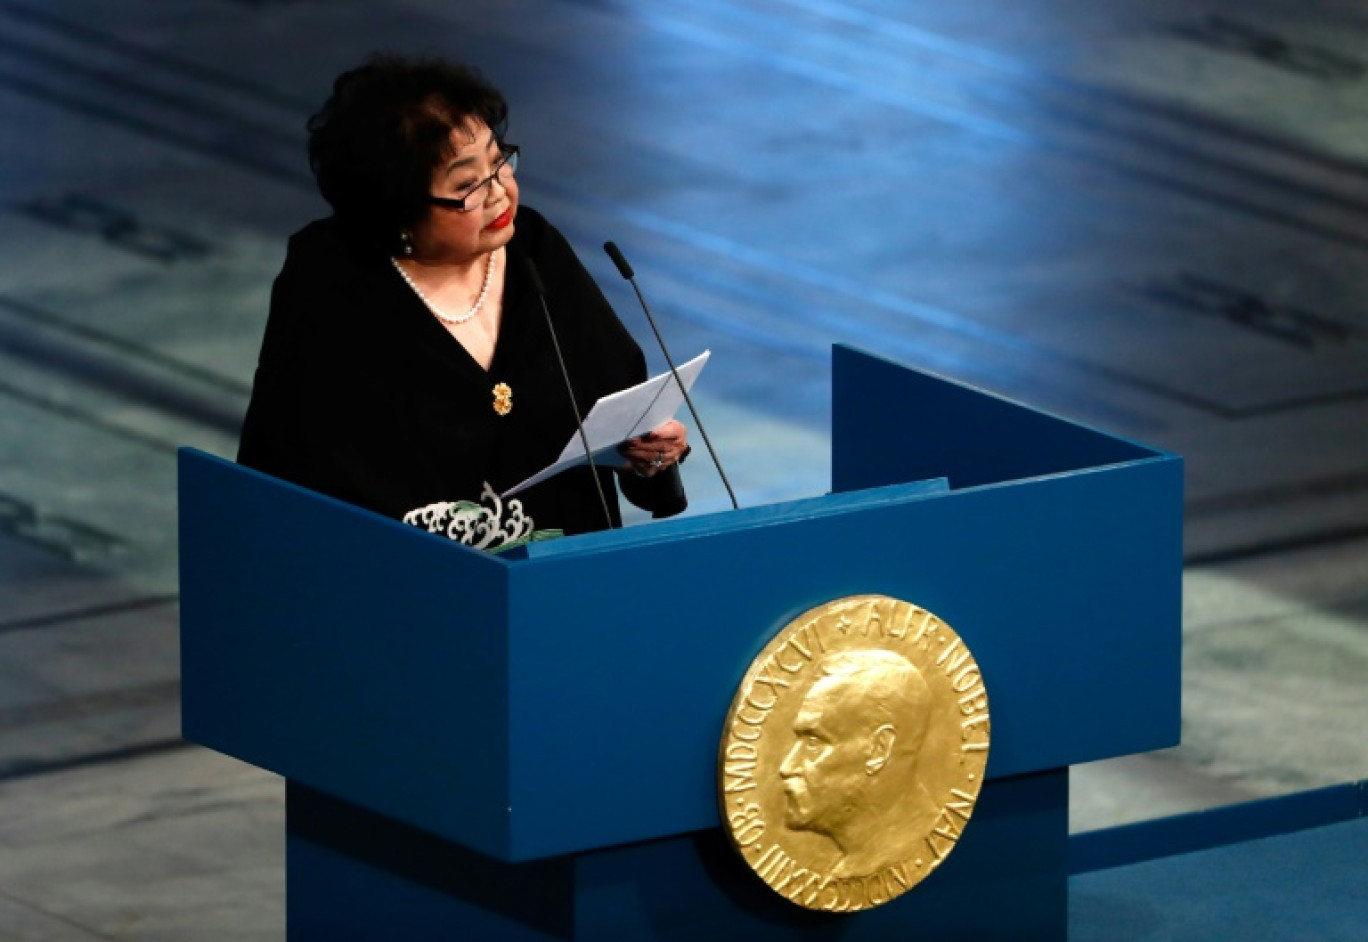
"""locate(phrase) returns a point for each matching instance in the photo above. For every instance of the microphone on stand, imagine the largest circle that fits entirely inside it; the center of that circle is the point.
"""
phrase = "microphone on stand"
(626, 271)
(535, 278)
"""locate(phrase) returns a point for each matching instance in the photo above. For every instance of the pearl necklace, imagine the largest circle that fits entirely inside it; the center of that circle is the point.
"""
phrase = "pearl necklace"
(474, 308)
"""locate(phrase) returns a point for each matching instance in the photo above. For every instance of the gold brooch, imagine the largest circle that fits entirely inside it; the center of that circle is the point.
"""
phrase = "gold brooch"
(503, 399)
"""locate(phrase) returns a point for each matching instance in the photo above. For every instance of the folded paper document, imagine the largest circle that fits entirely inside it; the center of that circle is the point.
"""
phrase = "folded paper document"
(621, 416)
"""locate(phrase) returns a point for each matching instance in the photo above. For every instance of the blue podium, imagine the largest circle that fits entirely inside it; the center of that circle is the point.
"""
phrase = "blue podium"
(489, 748)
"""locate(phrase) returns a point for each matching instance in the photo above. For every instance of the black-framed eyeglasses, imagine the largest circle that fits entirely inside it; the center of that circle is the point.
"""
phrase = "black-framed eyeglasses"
(476, 196)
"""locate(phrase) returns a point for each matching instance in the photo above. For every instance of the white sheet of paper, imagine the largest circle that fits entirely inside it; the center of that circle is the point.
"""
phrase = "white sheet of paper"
(621, 416)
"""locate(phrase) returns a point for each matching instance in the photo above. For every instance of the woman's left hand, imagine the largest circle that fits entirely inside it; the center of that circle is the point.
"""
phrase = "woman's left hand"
(657, 450)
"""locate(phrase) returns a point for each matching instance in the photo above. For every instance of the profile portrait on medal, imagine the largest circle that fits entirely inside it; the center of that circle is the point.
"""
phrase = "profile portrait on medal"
(407, 364)
(853, 753)
(851, 774)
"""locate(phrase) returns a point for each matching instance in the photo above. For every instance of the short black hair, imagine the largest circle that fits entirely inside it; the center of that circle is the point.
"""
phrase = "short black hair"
(386, 126)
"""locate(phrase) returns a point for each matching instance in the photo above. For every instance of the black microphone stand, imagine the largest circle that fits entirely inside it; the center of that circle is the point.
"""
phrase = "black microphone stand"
(626, 271)
(535, 277)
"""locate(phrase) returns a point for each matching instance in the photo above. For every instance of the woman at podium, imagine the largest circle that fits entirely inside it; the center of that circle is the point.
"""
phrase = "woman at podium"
(407, 362)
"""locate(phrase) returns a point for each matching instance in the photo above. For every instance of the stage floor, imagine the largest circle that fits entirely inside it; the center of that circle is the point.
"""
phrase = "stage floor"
(188, 846)
(1305, 885)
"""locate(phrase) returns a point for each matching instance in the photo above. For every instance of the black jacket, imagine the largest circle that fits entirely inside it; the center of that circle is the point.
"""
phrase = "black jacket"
(361, 393)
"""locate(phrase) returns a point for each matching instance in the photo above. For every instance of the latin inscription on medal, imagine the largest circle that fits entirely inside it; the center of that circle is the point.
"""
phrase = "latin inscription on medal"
(853, 753)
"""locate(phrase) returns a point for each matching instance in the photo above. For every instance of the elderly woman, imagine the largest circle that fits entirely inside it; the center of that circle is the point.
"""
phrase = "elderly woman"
(407, 362)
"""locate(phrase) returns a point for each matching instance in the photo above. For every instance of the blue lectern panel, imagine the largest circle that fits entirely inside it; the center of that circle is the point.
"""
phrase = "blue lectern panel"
(574, 699)
(623, 664)
(892, 424)
(356, 877)
(345, 650)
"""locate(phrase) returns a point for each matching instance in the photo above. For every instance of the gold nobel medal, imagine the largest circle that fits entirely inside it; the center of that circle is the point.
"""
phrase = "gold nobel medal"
(853, 753)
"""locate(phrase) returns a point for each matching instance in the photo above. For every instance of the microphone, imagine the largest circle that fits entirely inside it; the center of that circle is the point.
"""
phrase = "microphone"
(626, 271)
(534, 277)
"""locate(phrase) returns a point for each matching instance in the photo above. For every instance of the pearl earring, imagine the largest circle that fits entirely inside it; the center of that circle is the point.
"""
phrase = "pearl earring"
(407, 243)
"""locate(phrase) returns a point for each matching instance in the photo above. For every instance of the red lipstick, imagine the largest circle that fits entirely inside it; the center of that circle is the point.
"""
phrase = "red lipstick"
(503, 219)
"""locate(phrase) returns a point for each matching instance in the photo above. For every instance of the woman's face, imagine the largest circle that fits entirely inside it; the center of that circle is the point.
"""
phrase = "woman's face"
(450, 235)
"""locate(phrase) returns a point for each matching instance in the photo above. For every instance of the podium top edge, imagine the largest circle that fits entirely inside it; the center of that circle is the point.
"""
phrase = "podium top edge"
(198, 462)
(729, 521)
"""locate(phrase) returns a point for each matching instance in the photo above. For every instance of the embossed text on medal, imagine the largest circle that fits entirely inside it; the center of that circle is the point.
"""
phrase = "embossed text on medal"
(853, 753)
